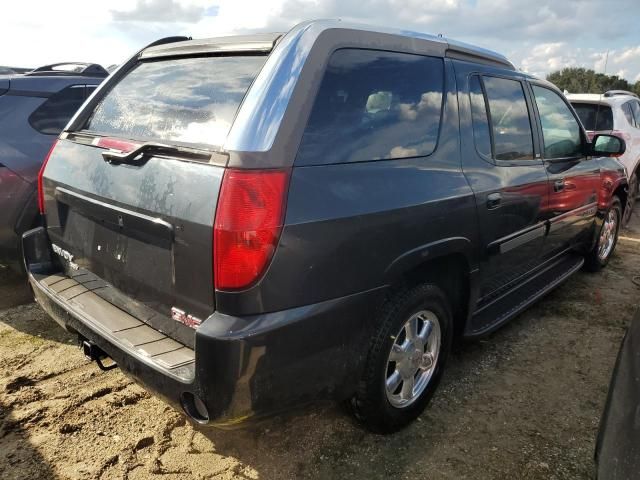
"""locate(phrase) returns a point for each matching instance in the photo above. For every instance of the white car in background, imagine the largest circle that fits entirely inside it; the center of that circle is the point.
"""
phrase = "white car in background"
(615, 112)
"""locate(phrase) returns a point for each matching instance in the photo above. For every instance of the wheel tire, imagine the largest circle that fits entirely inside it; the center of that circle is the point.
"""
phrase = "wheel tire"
(598, 257)
(631, 199)
(371, 404)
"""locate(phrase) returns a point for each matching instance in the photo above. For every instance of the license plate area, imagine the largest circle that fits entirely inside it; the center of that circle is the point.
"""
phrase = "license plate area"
(126, 261)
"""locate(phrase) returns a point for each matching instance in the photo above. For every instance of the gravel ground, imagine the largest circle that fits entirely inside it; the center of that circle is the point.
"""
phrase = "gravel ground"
(522, 403)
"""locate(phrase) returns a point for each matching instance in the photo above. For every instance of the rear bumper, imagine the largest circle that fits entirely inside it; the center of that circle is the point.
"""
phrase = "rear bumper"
(242, 368)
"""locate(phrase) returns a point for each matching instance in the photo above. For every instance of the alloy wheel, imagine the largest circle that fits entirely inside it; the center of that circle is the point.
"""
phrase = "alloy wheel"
(608, 235)
(413, 358)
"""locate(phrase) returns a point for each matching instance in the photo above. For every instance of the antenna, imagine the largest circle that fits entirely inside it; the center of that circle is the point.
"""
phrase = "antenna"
(606, 61)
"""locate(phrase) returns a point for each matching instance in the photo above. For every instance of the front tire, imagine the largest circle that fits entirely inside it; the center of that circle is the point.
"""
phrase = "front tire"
(406, 359)
(599, 256)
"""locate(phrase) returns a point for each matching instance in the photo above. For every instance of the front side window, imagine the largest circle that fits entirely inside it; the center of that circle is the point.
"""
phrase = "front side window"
(512, 136)
(374, 105)
(192, 100)
(560, 129)
(52, 116)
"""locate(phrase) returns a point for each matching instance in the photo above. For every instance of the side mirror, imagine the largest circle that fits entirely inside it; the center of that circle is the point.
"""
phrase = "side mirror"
(607, 146)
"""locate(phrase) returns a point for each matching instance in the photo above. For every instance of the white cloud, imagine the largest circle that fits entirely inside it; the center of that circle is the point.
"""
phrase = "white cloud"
(540, 37)
(549, 57)
(160, 11)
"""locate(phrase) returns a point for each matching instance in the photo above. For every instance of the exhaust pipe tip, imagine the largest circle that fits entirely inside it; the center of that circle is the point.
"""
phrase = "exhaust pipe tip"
(194, 407)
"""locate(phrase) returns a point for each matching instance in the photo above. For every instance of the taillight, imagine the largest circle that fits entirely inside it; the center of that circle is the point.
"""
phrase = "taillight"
(620, 134)
(248, 222)
(40, 173)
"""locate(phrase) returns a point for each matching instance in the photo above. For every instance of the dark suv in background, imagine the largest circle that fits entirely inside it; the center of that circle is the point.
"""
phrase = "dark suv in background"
(34, 108)
(245, 224)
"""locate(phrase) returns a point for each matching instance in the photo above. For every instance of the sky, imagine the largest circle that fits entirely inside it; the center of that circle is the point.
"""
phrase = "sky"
(537, 36)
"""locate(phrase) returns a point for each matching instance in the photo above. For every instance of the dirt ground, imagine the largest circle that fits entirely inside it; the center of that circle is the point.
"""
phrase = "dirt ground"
(523, 403)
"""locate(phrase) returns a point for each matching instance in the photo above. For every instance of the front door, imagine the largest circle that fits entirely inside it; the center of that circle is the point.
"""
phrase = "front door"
(574, 178)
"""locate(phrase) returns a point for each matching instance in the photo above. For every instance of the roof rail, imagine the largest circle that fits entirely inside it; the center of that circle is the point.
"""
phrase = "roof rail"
(70, 68)
(613, 93)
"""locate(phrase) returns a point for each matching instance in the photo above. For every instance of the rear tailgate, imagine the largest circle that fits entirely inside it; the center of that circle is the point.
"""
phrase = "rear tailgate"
(145, 230)
(141, 230)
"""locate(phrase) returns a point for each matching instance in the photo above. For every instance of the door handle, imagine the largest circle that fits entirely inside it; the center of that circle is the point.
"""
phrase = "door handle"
(558, 185)
(493, 200)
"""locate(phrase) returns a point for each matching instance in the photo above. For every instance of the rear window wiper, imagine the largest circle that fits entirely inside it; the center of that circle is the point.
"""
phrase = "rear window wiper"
(141, 153)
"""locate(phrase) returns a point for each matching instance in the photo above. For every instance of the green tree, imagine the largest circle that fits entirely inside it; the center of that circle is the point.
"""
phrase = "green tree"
(582, 80)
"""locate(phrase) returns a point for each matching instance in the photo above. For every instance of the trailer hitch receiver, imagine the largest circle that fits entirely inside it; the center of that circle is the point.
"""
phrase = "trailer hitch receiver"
(96, 354)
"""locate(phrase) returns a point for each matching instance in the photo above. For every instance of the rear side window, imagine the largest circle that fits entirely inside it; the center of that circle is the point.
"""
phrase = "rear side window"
(481, 133)
(626, 109)
(374, 105)
(512, 136)
(191, 100)
(594, 117)
(635, 109)
(560, 129)
(54, 114)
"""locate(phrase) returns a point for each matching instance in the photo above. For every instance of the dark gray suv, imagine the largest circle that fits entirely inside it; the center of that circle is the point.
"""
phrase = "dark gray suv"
(34, 108)
(247, 224)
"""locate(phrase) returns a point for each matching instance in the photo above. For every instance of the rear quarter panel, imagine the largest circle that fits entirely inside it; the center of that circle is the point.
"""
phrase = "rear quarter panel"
(22, 149)
(348, 224)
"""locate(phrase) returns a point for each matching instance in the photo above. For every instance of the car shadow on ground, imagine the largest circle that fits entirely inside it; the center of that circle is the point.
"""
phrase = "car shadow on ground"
(17, 307)
(19, 459)
(14, 289)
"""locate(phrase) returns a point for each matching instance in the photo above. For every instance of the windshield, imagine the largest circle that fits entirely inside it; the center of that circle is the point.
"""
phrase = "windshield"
(191, 100)
(594, 117)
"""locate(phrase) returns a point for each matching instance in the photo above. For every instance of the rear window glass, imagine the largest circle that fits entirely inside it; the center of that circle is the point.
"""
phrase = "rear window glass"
(594, 117)
(191, 100)
(54, 114)
(374, 105)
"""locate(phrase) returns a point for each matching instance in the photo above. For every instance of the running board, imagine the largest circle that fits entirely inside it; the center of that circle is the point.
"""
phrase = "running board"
(501, 310)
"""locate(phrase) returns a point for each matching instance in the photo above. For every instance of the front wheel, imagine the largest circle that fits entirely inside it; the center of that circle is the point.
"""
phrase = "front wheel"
(406, 359)
(599, 256)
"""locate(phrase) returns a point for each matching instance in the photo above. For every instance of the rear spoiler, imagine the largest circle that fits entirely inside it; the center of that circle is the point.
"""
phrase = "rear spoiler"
(259, 43)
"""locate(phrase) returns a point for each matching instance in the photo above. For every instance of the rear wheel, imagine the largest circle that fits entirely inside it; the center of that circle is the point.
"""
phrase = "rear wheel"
(631, 199)
(406, 359)
(607, 238)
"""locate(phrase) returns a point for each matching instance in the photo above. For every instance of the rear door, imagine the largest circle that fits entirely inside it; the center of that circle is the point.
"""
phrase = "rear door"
(574, 178)
(141, 229)
(508, 180)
